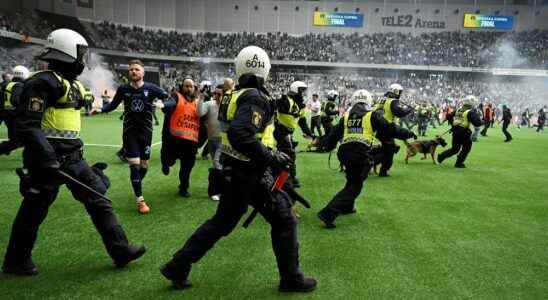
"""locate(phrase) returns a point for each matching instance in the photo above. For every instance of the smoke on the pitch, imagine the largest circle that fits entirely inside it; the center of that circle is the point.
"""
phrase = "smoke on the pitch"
(518, 92)
(98, 78)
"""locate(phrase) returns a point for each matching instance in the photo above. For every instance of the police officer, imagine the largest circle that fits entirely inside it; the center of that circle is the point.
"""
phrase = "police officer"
(465, 116)
(10, 96)
(357, 131)
(48, 125)
(506, 120)
(243, 115)
(329, 111)
(139, 98)
(290, 113)
(541, 119)
(89, 98)
(423, 117)
(391, 108)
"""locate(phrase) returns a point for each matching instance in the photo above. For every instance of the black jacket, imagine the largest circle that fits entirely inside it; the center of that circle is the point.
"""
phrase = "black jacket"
(378, 122)
(37, 93)
(254, 112)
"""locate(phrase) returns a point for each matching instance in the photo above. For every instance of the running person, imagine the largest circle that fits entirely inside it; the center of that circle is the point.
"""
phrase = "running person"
(139, 102)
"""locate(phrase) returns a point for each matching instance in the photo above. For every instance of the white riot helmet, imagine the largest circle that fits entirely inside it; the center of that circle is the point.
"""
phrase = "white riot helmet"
(205, 83)
(470, 100)
(396, 90)
(362, 96)
(253, 60)
(67, 46)
(332, 94)
(298, 87)
(21, 72)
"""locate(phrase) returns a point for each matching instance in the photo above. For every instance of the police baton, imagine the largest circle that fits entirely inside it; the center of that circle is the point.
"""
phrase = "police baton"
(83, 185)
(276, 187)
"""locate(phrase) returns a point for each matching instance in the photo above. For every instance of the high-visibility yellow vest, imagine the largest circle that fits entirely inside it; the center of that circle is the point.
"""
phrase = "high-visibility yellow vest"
(227, 111)
(62, 119)
(358, 129)
(291, 118)
(8, 94)
(461, 117)
(384, 105)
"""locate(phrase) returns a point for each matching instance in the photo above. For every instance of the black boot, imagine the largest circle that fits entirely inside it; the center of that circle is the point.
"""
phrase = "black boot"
(178, 276)
(328, 223)
(27, 268)
(301, 285)
(134, 252)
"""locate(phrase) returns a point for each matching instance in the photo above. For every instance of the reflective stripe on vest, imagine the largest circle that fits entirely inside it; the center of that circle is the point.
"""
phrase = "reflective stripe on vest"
(62, 121)
(291, 119)
(184, 122)
(8, 93)
(227, 111)
(461, 118)
(358, 129)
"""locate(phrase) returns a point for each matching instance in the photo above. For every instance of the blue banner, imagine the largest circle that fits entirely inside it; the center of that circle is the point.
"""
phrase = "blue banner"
(338, 19)
(492, 22)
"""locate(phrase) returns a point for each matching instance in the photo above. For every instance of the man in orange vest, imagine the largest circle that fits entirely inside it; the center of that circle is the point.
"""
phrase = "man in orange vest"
(180, 133)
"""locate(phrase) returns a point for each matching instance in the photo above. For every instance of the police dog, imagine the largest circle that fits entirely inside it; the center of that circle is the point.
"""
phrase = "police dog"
(424, 147)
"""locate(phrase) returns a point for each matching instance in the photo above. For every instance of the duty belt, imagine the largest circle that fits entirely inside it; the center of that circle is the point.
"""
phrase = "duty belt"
(233, 153)
(357, 140)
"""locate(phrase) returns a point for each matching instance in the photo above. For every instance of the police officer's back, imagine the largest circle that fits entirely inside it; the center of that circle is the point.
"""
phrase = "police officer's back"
(391, 109)
(356, 131)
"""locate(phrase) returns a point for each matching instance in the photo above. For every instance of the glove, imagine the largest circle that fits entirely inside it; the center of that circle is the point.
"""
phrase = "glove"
(280, 160)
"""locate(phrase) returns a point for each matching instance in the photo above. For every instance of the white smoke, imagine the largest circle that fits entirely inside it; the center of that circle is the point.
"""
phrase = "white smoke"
(98, 78)
(507, 56)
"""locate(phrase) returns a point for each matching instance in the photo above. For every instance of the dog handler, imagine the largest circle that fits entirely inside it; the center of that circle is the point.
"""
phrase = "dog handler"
(462, 135)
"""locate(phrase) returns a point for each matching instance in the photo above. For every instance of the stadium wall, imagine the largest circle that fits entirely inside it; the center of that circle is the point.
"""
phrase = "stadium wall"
(295, 17)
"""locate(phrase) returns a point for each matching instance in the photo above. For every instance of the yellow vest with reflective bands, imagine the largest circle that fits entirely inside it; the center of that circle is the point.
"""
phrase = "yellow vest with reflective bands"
(62, 119)
(291, 119)
(384, 105)
(8, 93)
(461, 118)
(227, 111)
(358, 129)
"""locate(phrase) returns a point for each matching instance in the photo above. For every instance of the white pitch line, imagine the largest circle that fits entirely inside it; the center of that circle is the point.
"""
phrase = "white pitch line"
(103, 145)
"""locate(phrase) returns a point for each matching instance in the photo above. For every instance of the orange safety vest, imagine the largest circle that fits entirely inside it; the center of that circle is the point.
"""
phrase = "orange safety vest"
(185, 123)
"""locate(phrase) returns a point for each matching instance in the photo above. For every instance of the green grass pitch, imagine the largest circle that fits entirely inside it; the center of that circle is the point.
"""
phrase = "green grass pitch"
(427, 232)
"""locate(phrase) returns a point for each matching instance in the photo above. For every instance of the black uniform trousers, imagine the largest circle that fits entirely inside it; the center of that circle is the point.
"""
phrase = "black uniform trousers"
(423, 126)
(326, 124)
(540, 125)
(284, 144)
(241, 187)
(505, 124)
(357, 166)
(485, 127)
(461, 144)
(388, 150)
(40, 192)
(12, 143)
(184, 151)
